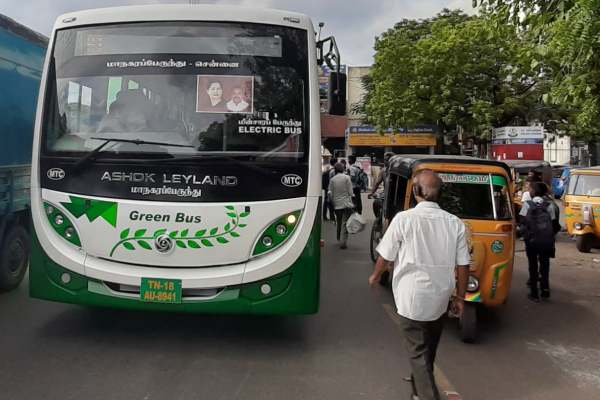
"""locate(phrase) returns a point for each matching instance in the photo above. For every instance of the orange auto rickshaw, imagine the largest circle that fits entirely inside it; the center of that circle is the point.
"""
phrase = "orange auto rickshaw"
(480, 193)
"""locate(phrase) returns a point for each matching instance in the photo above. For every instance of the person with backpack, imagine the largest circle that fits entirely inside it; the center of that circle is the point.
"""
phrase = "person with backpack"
(359, 180)
(539, 225)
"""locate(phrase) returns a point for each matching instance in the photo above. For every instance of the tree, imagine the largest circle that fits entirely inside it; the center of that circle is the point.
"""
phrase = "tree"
(566, 33)
(391, 99)
(456, 70)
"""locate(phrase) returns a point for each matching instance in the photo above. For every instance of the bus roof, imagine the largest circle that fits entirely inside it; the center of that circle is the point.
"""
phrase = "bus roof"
(183, 12)
(22, 31)
(405, 164)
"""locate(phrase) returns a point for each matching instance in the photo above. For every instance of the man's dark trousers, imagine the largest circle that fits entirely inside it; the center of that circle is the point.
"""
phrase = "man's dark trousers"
(357, 200)
(421, 341)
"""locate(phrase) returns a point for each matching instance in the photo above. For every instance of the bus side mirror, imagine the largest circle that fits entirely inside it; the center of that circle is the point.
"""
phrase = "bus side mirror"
(337, 93)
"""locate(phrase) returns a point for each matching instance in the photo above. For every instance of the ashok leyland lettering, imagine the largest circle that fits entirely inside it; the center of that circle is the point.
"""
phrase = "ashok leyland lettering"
(176, 161)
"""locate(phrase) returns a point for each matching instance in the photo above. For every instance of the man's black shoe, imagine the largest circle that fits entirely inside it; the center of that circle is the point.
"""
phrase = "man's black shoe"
(534, 298)
(545, 294)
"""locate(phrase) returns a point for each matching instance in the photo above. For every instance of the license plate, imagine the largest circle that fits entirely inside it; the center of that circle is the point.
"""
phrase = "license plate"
(157, 290)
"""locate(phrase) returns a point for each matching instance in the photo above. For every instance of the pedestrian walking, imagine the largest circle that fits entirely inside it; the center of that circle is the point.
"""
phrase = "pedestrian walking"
(340, 193)
(333, 161)
(344, 164)
(359, 180)
(426, 245)
(382, 173)
(328, 173)
(539, 224)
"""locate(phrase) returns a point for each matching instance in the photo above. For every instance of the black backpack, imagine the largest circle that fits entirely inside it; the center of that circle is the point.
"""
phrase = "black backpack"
(540, 228)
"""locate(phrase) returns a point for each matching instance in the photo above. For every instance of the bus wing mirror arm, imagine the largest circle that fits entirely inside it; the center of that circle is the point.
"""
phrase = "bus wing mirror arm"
(332, 56)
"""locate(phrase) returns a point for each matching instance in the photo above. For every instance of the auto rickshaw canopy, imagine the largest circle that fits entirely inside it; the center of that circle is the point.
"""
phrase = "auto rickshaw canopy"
(406, 164)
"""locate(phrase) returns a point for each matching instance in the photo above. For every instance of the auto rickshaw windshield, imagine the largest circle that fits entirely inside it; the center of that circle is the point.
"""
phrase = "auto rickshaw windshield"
(476, 196)
(585, 185)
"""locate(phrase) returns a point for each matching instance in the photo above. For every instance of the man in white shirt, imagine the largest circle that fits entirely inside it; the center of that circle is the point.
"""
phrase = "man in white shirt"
(237, 102)
(426, 245)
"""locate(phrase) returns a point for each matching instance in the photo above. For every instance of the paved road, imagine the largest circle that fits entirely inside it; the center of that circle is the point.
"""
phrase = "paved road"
(350, 350)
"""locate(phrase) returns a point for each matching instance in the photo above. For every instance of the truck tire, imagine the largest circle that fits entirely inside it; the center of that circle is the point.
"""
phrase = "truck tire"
(583, 243)
(468, 323)
(14, 257)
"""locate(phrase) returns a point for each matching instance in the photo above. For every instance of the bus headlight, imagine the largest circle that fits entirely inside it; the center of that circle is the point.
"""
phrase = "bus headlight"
(276, 233)
(473, 284)
(62, 225)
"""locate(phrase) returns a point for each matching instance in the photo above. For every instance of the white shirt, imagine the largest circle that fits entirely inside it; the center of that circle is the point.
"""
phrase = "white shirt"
(232, 106)
(426, 243)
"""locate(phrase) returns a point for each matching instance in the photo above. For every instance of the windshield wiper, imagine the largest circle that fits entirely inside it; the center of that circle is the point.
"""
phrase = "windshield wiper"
(93, 154)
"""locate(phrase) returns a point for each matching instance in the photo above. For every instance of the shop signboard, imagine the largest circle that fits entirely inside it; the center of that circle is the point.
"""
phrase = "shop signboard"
(366, 135)
(518, 133)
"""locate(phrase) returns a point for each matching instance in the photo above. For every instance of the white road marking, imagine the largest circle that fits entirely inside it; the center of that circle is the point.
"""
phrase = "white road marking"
(582, 364)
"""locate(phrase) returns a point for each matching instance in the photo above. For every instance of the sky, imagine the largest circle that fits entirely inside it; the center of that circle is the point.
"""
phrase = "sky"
(354, 23)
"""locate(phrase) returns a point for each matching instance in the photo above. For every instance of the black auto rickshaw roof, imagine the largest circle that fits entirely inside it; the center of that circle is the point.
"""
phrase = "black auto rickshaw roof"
(527, 165)
(405, 164)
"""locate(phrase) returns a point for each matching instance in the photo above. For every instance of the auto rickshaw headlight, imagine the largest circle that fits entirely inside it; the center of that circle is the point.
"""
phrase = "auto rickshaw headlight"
(588, 215)
(578, 226)
(473, 284)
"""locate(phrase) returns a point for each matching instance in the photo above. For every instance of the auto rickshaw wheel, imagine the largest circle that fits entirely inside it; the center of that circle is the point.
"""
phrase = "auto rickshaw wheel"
(468, 323)
(375, 239)
(584, 243)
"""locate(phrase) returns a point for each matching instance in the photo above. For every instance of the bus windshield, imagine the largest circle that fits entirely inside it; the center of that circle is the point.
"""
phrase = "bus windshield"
(476, 196)
(233, 89)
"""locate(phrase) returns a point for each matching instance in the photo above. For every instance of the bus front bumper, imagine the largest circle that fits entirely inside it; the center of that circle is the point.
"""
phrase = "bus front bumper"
(294, 291)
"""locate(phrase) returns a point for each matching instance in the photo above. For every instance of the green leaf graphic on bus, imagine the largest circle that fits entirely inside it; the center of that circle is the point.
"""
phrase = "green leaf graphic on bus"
(131, 239)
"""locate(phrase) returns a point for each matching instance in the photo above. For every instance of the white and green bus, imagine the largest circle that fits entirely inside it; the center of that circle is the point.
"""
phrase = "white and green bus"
(176, 161)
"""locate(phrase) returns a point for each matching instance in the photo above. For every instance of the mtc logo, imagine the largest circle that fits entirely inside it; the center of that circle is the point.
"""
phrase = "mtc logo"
(55, 174)
(291, 180)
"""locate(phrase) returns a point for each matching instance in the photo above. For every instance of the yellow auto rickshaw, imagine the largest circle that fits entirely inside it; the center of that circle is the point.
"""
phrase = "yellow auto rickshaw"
(582, 207)
(480, 193)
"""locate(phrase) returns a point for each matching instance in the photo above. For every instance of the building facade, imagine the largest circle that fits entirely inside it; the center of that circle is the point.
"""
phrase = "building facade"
(365, 140)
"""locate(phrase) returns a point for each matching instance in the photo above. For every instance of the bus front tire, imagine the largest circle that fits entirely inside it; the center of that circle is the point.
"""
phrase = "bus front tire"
(584, 243)
(14, 257)
(468, 323)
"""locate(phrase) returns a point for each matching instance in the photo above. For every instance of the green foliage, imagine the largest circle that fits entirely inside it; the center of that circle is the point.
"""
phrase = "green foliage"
(565, 33)
(457, 70)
